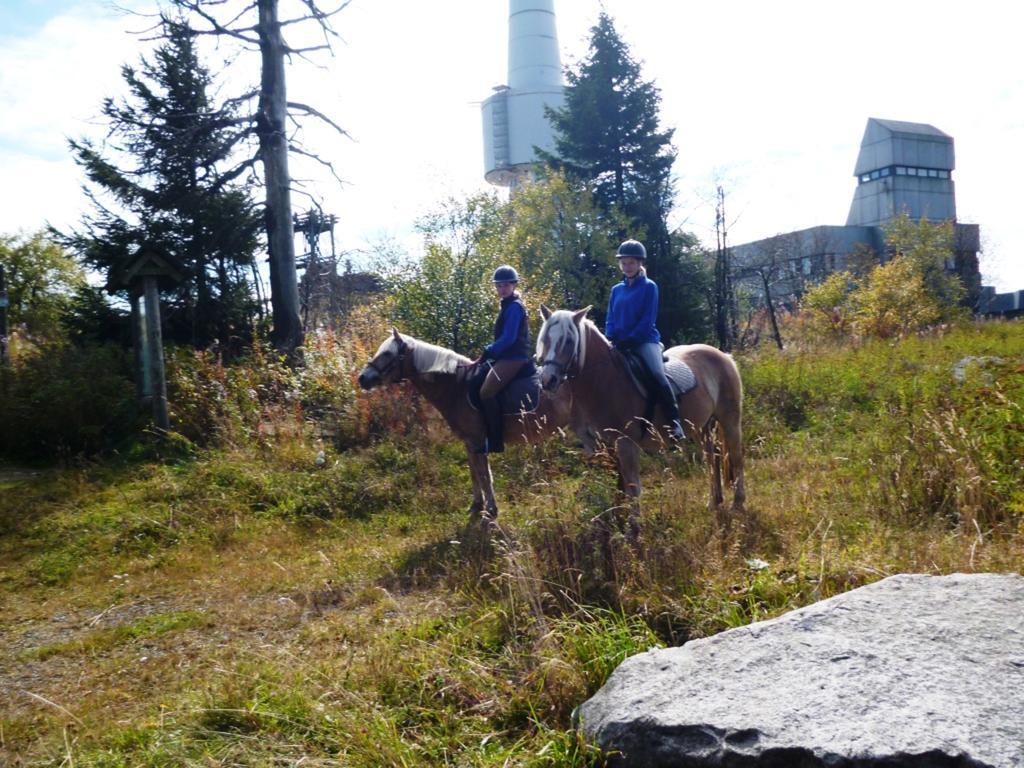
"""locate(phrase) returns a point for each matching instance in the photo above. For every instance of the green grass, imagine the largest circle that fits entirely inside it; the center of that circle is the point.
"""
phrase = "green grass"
(102, 640)
(240, 606)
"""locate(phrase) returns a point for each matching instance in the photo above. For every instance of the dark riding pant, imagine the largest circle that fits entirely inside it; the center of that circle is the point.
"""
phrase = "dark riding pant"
(500, 375)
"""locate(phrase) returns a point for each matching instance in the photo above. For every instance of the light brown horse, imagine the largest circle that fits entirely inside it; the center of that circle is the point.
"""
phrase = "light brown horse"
(442, 377)
(607, 408)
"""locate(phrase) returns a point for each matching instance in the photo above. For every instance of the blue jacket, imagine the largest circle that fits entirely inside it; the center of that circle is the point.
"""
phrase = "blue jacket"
(511, 332)
(632, 310)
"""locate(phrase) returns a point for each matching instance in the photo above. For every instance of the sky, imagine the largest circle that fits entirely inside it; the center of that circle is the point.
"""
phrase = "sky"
(768, 100)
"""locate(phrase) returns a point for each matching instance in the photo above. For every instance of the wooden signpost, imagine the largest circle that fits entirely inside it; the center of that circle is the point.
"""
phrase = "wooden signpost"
(142, 277)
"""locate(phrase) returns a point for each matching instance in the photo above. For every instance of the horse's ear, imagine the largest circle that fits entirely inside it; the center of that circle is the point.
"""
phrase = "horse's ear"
(579, 314)
(398, 336)
(545, 312)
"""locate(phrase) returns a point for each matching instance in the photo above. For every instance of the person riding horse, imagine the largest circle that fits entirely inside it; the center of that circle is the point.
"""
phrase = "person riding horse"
(632, 310)
(503, 360)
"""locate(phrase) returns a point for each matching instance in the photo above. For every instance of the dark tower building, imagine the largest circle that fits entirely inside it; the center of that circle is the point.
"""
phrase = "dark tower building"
(901, 168)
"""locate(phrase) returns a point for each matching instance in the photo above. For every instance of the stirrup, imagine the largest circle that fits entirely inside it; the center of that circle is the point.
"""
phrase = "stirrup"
(676, 430)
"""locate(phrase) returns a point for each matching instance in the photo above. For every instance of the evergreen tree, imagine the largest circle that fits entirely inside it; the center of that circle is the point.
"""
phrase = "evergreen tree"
(171, 194)
(607, 135)
(607, 132)
(685, 286)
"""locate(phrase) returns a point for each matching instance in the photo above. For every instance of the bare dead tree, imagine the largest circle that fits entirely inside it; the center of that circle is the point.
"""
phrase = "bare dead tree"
(723, 299)
(255, 25)
(766, 270)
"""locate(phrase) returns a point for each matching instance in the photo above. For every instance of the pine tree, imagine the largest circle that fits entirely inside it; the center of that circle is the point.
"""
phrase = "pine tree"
(170, 192)
(607, 132)
(257, 26)
(607, 135)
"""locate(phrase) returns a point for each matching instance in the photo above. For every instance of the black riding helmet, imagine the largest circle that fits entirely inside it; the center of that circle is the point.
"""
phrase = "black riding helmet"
(632, 248)
(506, 274)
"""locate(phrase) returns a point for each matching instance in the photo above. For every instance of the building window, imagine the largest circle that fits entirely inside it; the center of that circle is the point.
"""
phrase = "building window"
(904, 170)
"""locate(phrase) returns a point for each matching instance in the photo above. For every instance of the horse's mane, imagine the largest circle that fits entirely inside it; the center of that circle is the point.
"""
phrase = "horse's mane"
(430, 358)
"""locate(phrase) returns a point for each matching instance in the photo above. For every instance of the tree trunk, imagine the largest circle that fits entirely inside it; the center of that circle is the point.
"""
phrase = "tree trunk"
(771, 309)
(284, 289)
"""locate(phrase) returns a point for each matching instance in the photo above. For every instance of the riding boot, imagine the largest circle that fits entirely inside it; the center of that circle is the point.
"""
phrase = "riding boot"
(491, 409)
(668, 401)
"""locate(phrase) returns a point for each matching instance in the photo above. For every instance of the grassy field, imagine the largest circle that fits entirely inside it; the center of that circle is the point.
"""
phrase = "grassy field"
(244, 606)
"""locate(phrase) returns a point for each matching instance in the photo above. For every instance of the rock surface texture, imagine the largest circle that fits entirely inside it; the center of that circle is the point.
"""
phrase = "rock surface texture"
(910, 671)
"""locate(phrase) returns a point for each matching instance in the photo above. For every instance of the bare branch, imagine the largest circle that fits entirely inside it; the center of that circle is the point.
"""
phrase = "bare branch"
(195, 6)
(326, 164)
(234, 173)
(314, 9)
(240, 14)
(318, 19)
(244, 97)
(289, 50)
(315, 113)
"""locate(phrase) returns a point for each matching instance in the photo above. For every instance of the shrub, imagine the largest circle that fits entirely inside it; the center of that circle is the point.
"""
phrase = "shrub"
(827, 305)
(213, 402)
(63, 401)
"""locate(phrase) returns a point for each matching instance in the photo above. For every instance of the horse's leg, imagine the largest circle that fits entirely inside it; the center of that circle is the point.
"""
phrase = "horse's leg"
(474, 473)
(627, 455)
(732, 434)
(485, 481)
(713, 455)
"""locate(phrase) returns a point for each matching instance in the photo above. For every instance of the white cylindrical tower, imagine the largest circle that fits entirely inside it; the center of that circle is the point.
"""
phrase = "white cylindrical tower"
(513, 117)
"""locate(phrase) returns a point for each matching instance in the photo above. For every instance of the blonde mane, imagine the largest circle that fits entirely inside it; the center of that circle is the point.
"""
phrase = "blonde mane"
(430, 358)
(426, 358)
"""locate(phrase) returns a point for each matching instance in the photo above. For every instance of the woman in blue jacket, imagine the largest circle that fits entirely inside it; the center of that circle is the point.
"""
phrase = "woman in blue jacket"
(632, 310)
(506, 358)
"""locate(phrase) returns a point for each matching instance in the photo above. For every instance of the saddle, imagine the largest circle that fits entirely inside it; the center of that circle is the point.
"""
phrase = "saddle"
(522, 395)
(680, 375)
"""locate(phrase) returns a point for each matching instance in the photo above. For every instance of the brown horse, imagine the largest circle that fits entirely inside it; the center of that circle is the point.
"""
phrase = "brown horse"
(607, 407)
(442, 377)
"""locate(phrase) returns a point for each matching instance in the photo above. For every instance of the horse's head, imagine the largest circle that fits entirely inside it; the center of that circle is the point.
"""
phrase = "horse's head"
(387, 366)
(561, 345)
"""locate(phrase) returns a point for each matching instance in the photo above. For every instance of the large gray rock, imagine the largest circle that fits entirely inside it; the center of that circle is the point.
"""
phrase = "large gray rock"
(910, 671)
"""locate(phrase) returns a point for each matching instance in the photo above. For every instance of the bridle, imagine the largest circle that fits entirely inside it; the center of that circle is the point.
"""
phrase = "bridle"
(565, 370)
(398, 360)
